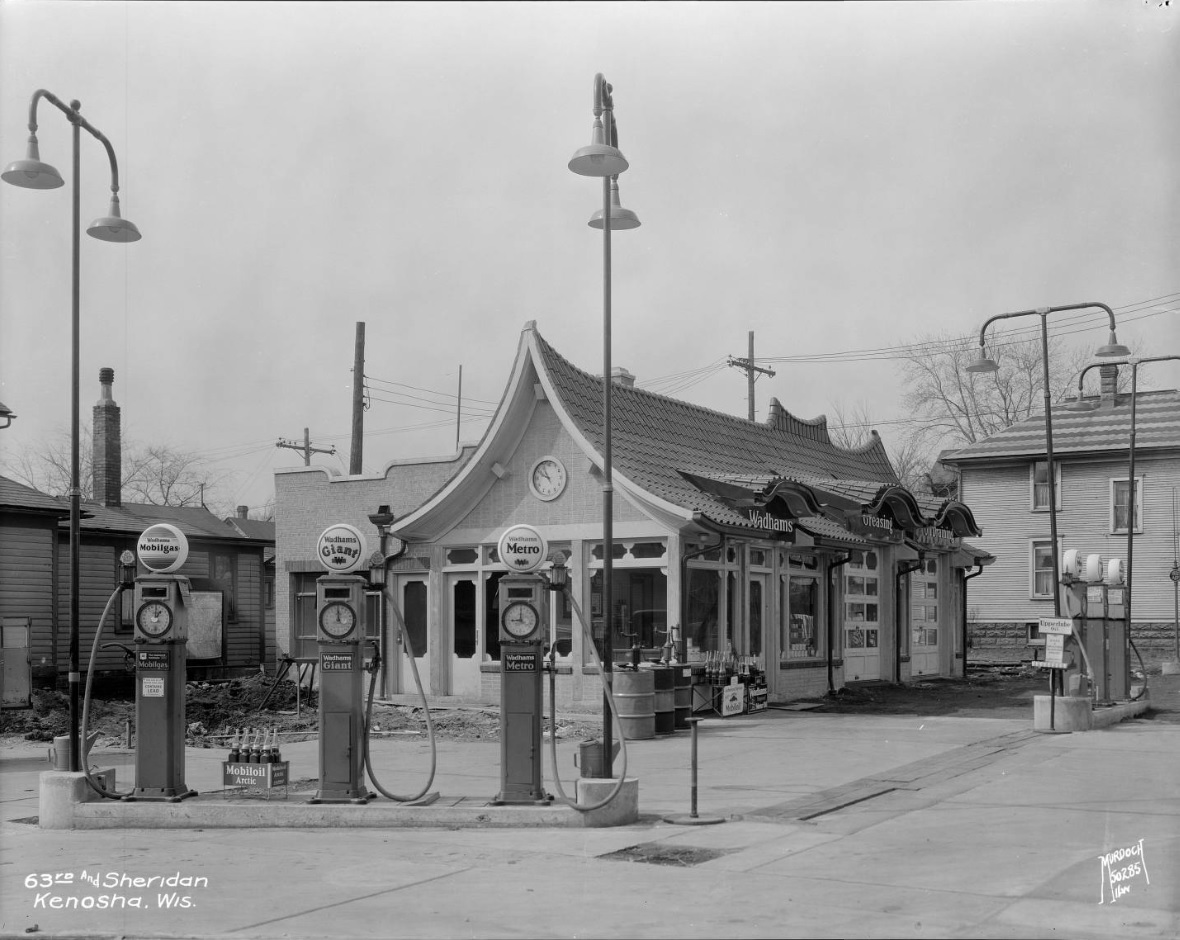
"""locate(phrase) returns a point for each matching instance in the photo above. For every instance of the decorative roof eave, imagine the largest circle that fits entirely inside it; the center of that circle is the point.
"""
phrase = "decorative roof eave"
(901, 504)
(957, 517)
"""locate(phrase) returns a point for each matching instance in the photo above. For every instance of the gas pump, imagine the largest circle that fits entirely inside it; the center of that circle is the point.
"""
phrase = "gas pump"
(1100, 596)
(161, 639)
(524, 628)
(340, 612)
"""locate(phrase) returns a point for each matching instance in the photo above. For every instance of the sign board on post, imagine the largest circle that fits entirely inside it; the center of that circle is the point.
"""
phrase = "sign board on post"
(1055, 630)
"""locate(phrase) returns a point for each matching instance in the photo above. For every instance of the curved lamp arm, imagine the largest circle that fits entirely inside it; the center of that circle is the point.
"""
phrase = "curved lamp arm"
(1110, 349)
(74, 116)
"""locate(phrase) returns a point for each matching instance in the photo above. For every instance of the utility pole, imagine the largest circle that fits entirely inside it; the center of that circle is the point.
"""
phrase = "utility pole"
(459, 409)
(358, 400)
(306, 447)
(749, 367)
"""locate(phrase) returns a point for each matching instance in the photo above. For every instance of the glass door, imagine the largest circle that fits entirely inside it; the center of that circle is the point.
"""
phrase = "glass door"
(924, 631)
(410, 617)
(862, 618)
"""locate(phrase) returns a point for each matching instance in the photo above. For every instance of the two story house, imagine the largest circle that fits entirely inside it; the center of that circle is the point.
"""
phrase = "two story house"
(1005, 479)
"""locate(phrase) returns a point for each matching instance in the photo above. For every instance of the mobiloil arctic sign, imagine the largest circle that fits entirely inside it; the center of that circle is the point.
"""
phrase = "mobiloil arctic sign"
(341, 548)
(162, 548)
(523, 548)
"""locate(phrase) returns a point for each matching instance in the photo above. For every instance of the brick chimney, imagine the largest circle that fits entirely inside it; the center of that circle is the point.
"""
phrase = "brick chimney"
(1109, 378)
(243, 512)
(108, 444)
(621, 376)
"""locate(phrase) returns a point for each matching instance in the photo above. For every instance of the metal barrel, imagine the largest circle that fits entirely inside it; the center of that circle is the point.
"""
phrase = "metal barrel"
(634, 695)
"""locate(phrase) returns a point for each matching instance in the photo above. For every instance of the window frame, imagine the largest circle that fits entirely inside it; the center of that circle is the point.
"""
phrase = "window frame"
(1033, 506)
(1138, 528)
(1033, 545)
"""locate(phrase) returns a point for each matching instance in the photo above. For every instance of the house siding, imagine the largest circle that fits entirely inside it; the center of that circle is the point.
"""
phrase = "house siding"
(27, 560)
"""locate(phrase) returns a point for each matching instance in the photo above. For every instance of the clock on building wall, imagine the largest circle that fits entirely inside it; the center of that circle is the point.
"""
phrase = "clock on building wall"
(547, 479)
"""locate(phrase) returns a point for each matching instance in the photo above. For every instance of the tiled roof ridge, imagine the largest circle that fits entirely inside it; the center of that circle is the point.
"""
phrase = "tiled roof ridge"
(784, 422)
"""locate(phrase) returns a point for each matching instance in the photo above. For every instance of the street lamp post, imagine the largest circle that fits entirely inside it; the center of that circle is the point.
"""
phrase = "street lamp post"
(31, 173)
(1134, 363)
(602, 158)
(986, 364)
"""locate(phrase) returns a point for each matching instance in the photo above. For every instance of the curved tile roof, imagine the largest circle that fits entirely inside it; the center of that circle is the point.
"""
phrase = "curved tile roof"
(654, 438)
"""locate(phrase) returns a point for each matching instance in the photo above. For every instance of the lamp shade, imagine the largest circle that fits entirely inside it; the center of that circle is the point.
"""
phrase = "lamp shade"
(113, 227)
(983, 364)
(1113, 348)
(620, 218)
(31, 173)
(598, 158)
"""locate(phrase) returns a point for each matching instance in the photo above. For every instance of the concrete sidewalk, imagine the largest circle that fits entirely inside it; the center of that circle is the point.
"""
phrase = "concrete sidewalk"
(836, 825)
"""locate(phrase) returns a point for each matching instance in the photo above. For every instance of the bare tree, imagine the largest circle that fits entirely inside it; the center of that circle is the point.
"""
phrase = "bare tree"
(947, 405)
(156, 474)
(852, 427)
(163, 476)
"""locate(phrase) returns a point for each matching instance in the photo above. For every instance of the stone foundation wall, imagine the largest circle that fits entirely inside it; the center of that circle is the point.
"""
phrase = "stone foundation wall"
(990, 641)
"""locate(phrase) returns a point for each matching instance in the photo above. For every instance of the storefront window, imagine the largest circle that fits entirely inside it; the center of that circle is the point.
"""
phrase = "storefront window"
(704, 597)
(639, 611)
(800, 638)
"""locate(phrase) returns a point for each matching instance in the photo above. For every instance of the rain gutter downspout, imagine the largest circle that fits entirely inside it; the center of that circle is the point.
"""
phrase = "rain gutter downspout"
(966, 578)
(903, 570)
(831, 617)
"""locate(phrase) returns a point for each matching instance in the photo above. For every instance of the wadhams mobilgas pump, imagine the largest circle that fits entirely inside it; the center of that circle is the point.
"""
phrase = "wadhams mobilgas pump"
(161, 639)
(340, 613)
(524, 628)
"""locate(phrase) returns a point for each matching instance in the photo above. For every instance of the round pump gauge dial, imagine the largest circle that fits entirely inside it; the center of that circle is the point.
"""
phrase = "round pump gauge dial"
(154, 618)
(520, 620)
(337, 620)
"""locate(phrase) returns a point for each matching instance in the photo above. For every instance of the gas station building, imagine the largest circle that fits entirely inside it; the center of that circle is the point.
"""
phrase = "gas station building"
(763, 541)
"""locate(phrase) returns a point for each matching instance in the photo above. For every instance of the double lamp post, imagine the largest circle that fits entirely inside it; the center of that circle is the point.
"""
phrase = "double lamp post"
(602, 158)
(32, 173)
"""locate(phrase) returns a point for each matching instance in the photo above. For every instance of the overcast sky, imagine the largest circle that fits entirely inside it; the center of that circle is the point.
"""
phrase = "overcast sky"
(832, 177)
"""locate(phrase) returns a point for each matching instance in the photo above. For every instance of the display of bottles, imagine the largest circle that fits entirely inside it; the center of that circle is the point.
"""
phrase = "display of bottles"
(265, 755)
(275, 756)
(235, 750)
(254, 749)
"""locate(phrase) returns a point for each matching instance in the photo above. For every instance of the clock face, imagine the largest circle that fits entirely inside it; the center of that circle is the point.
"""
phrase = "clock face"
(520, 620)
(547, 481)
(337, 620)
(154, 618)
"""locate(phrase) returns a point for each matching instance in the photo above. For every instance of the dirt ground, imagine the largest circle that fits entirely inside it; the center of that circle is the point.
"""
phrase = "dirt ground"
(217, 711)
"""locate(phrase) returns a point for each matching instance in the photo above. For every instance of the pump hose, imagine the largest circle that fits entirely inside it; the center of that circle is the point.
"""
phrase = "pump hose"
(108, 794)
(581, 807)
(368, 764)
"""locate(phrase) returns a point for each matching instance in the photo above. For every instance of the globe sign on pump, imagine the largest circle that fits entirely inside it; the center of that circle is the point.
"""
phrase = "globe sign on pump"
(341, 548)
(162, 548)
(523, 548)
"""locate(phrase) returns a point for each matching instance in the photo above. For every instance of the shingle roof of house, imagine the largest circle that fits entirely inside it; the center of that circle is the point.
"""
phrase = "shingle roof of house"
(654, 439)
(1108, 429)
(130, 518)
(15, 495)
